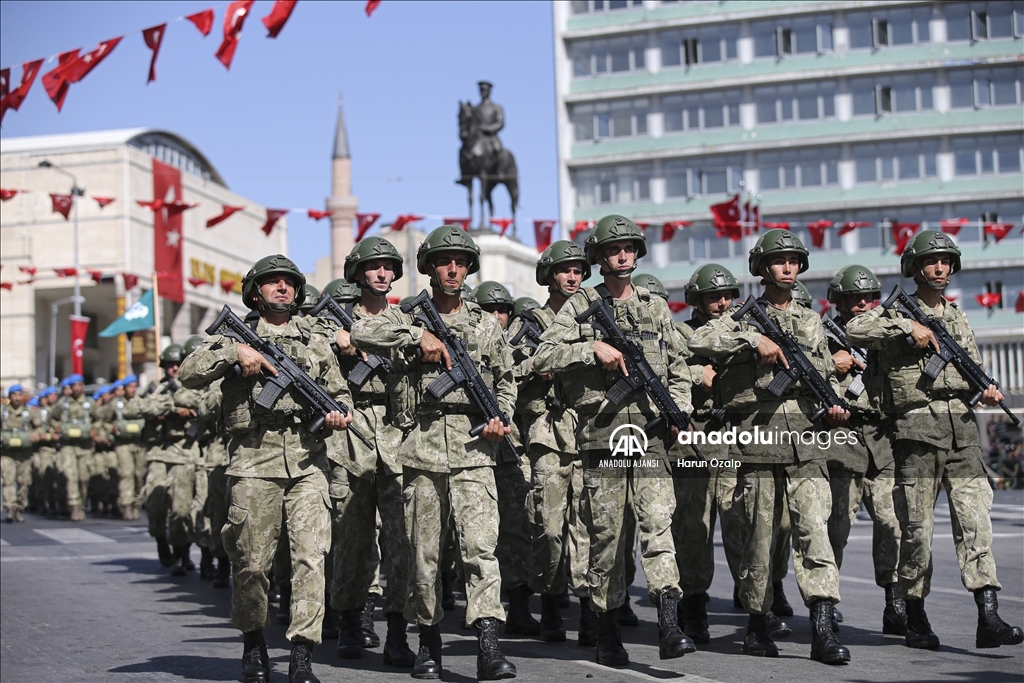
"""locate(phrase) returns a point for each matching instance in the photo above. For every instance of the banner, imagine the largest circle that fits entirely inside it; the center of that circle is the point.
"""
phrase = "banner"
(139, 316)
(167, 234)
(79, 326)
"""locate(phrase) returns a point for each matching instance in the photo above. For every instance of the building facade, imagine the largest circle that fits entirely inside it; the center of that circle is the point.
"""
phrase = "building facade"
(872, 112)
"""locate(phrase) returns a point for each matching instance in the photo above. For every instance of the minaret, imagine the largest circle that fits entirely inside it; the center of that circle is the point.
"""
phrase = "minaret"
(341, 202)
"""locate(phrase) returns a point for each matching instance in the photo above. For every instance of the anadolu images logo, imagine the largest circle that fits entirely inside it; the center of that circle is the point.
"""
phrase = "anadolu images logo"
(625, 443)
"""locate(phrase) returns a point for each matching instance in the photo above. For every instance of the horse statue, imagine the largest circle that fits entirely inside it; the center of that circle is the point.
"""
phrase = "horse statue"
(478, 159)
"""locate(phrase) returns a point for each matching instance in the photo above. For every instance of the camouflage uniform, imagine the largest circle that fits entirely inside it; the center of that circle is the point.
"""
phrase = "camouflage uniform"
(72, 419)
(44, 462)
(125, 435)
(215, 463)
(16, 458)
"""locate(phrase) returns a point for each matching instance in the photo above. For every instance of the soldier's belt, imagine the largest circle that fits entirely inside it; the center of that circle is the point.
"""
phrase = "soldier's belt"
(369, 400)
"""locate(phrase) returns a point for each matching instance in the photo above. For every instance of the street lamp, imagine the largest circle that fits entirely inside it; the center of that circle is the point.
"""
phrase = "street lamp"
(76, 191)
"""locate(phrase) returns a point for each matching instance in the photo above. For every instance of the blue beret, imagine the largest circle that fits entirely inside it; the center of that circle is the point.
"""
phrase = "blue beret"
(14, 387)
(34, 401)
(130, 379)
(74, 379)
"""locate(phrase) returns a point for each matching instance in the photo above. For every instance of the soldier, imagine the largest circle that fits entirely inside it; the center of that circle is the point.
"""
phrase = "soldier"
(16, 454)
(448, 474)
(865, 470)
(312, 295)
(214, 444)
(202, 431)
(276, 475)
(127, 444)
(368, 482)
(935, 442)
(785, 471)
(590, 367)
(71, 420)
(524, 303)
(44, 459)
(802, 295)
(103, 479)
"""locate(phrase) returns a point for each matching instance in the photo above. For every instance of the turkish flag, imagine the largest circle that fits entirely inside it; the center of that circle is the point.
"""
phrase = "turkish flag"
(167, 230)
(72, 68)
(901, 234)
(780, 225)
(103, 201)
(273, 215)
(668, 230)
(224, 214)
(364, 221)
(542, 233)
(31, 270)
(279, 14)
(317, 215)
(463, 222)
(581, 226)
(403, 220)
(152, 205)
(393, 300)
(129, 281)
(202, 21)
(998, 230)
(6, 194)
(14, 98)
(196, 281)
(61, 204)
(96, 275)
(7, 285)
(951, 226)
(54, 80)
(501, 223)
(177, 207)
(371, 5)
(1019, 306)
(79, 326)
(989, 299)
(153, 37)
(826, 306)
(817, 229)
(227, 285)
(233, 21)
(850, 226)
(677, 306)
(726, 213)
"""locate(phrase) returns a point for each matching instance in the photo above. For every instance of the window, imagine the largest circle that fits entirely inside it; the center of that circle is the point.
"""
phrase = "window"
(703, 176)
(877, 29)
(987, 154)
(804, 101)
(803, 35)
(622, 118)
(787, 169)
(902, 93)
(593, 6)
(996, 87)
(596, 57)
(982, 21)
(688, 47)
(697, 111)
(616, 185)
(892, 162)
(1006, 210)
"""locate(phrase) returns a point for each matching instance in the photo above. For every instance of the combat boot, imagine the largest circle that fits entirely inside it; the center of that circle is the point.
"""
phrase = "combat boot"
(491, 665)
(777, 627)
(370, 639)
(223, 576)
(18, 517)
(396, 646)
(919, 632)
(255, 661)
(181, 555)
(447, 592)
(563, 598)
(609, 642)
(627, 617)
(329, 628)
(757, 642)
(694, 613)
(825, 647)
(164, 552)
(993, 631)
(284, 605)
(736, 602)
(206, 570)
(551, 628)
(672, 642)
(300, 669)
(519, 619)
(780, 605)
(588, 624)
(274, 592)
(894, 617)
(350, 636)
(428, 658)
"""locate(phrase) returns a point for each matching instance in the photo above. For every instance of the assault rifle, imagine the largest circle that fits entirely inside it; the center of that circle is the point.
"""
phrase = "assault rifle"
(800, 367)
(717, 413)
(531, 332)
(838, 337)
(463, 372)
(290, 376)
(949, 350)
(363, 370)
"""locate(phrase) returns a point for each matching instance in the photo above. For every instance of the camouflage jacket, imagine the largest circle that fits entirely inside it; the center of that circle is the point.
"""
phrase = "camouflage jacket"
(16, 426)
(45, 437)
(702, 399)
(159, 409)
(72, 419)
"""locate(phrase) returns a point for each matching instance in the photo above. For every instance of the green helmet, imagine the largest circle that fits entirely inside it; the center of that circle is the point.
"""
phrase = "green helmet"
(448, 238)
(853, 279)
(342, 291)
(652, 284)
(491, 294)
(802, 296)
(406, 299)
(468, 293)
(525, 303)
(272, 265)
(929, 243)
(172, 354)
(562, 251)
(191, 344)
(776, 241)
(369, 249)
(312, 295)
(613, 229)
(708, 279)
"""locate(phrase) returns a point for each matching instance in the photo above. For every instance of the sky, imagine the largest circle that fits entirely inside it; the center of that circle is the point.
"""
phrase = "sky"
(267, 125)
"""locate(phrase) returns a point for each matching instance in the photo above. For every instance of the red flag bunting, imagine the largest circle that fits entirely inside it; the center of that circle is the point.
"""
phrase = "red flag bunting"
(393, 300)
(234, 19)
(901, 234)
(273, 216)
(7, 285)
(96, 275)
(275, 21)
(371, 5)
(168, 231)
(668, 230)
(643, 225)
(177, 207)
(31, 270)
(226, 211)
(463, 222)
(364, 221)
(79, 327)
(65, 272)
(581, 226)
(1019, 306)
(103, 201)
(72, 68)
(989, 299)
(13, 98)
(129, 281)
(61, 204)
(196, 281)
(850, 226)
(751, 218)
(998, 230)
(825, 305)
(776, 225)
(152, 205)
(227, 285)
(403, 220)
(55, 83)
(202, 21)
(952, 226)
(817, 229)
(317, 215)
(153, 37)
(6, 194)
(502, 224)
(542, 230)
(677, 306)
(726, 213)
(5, 82)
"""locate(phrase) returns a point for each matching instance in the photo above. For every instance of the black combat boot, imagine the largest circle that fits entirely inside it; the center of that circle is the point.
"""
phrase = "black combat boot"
(185, 552)
(825, 647)
(551, 628)
(609, 642)
(428, 658)
(736, 602)
(694, 615)
(350, 636)
(284, 605)
(329, 627)
(672, 642)
(223, 577)
(588, 624)
(919, 632)
(300, 669)
(255, 661)
(894, 617)
(206, 570)
(777, 627)
(491, 665)
(757, 642)
(182, 561)
(164, 552)
(780, 605)
(396, 646)
(563, 598)
(274, 593)
(627, 617)
(370, 637)
(519, 619)
(447, 591)
(993, 631)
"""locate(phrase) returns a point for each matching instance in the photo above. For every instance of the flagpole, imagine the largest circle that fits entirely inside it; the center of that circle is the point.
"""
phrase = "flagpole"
(156, 321)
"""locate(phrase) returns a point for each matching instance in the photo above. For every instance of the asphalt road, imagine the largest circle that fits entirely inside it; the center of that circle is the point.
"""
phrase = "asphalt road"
(89, 602)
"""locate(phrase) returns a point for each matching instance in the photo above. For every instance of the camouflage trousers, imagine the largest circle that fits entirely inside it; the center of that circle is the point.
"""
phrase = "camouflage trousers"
(127, 457)
(920, 470)
(559, 535)
(611, 495)
(515, 540)
(141, 470)
(467, 499)
(763, 492)
(73, 466)
(169, 492)
(16, 474)
(259, 509)
(42, 493)
(358, 501)
(200, 522)
(216, 507)
(874, 488)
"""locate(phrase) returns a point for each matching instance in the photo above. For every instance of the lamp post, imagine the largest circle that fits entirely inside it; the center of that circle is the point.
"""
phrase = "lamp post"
(76, 191)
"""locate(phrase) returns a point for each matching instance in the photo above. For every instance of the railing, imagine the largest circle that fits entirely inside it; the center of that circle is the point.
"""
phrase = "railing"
(1005, 362)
